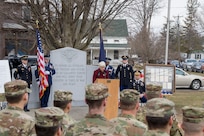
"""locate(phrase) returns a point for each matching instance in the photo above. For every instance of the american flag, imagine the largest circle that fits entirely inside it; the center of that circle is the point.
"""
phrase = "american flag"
(41, 66)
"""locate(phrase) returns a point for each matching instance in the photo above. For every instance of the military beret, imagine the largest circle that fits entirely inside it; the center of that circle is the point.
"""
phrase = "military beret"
(49, 116)
(25, 57)
(16, 87)
(129, 96)
(159, 107)
(124, 57)
(62, 95)
(96, 91)
(193, 114)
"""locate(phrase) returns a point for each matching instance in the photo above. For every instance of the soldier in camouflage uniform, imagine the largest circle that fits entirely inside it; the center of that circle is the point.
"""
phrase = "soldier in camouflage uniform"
(159, 116)
(63, 99)
(154, 91)
(13, 120)
(49, 121)
(95, 124)
(193, 121)
(129, 105)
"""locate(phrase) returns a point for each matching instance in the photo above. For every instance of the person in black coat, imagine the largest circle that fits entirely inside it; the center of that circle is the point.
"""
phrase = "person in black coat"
(110, 69)
(125, 73)
(24, 72)
(139, 85)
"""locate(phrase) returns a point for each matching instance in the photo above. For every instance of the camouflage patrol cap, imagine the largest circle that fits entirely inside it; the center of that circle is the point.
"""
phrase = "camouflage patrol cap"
(16, 87)
(159, 107)
(62, 95)
(153, 91)
(49, 116)
(96, 91)
(2, 97)
(129, 96)
(193, 114)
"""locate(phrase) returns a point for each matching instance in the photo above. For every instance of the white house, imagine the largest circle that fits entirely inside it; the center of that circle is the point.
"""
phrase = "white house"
(115, 43)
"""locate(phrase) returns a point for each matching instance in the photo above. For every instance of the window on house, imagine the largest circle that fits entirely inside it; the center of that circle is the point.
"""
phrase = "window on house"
(116, 40)
(197, 56)
(105, 40)
(26, 13)
(116, 54)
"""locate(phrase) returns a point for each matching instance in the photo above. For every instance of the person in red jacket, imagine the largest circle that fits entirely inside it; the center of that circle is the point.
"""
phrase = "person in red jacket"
(100, 72)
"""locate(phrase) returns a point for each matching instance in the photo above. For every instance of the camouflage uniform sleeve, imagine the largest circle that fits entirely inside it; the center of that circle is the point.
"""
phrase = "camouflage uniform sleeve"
(175, 130)
(70, 131)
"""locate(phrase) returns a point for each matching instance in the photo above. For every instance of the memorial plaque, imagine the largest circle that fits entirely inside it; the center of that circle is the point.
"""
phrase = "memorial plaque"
(70, 66)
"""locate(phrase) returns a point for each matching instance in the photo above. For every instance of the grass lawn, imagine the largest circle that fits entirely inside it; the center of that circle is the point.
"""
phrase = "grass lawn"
(182, 98)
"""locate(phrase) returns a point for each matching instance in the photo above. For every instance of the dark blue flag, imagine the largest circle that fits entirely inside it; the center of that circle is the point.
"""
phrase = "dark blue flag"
(102, 54)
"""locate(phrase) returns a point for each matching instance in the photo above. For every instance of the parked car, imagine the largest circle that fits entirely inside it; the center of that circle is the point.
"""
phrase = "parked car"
(198, 67)
(183, 80)
(176, 63)
(188, 64)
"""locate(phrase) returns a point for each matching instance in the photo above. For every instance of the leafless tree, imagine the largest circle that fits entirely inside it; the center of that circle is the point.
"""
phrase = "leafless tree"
(71, 23)
(141, 13)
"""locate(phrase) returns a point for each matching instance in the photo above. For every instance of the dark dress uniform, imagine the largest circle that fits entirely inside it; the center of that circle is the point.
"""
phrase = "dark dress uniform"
(99, 74)
(126, 76)
(140, 87)
(24, 73)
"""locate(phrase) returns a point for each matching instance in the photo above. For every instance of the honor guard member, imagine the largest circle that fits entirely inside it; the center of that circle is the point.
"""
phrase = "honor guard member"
(139, 85)
(126, 75)
(24, 72)
(49, 72)
(129, 105)
(13, 120)
(110, 69)
(159, 116)
(63, 100)
(49, 121)
(100, 72)
(95, 124)
(193, 121)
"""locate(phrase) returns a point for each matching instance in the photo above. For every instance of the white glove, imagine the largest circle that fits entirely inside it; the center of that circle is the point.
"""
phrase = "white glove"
(38, 82)
(47, 72)
(141, 95)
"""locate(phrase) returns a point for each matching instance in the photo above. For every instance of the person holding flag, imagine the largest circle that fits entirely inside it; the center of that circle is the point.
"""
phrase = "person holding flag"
(101, 72)
(44, 72)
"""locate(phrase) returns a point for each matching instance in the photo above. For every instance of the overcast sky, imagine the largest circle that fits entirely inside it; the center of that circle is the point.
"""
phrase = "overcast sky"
(178, 8)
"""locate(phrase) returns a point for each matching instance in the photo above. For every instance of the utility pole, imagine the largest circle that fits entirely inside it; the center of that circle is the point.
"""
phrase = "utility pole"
(167, 33)
(178, 35)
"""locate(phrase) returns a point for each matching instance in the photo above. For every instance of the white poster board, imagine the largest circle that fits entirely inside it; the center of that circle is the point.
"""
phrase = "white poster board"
(5, 75)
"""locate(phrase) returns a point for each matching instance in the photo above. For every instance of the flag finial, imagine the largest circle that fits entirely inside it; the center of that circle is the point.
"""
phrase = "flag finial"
(100, 26)
(37, 23)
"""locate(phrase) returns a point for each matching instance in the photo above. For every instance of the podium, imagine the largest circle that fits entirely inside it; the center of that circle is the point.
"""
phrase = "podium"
(111, 110)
